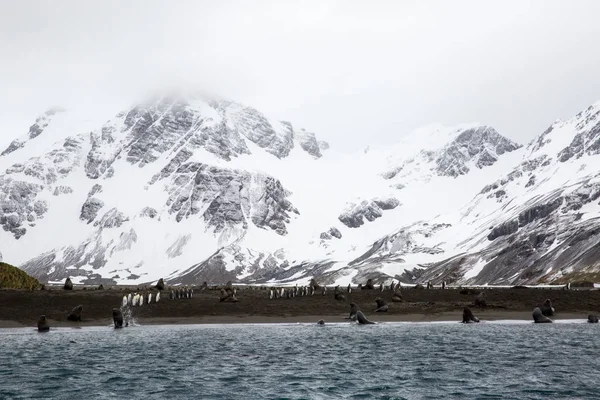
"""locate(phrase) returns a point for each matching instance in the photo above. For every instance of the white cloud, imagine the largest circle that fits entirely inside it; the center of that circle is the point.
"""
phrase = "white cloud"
(353, 72)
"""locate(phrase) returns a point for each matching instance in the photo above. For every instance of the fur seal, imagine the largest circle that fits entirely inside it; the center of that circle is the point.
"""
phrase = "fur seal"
(117, 318)
(75, 314)
(382, 305)
(540, 318)
(593, 319)
(42, 324)
(320, 322)
(227, 297)
(68, 284)
(360, 317)
(353, 310)
(160, 285)
(313, 284)
(468, 316)
(339, 296)
(369, 285)
(547, 308)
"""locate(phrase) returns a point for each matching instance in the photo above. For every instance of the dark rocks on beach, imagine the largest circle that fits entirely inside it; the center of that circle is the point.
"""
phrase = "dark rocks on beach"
(540, 318)
(468, 316)
(469, 291)
(382, 305)
(419, 286)
(117, 318)
(593, 319)
(160, 285)
(68, 284)
(42, 324)
(547, 309)
(75, 314)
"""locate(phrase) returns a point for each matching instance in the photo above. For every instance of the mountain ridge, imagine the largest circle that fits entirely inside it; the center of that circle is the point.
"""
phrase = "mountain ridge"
(210, 190)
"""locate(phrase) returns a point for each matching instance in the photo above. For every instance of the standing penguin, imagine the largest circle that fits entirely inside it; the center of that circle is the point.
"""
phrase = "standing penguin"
(157, 297)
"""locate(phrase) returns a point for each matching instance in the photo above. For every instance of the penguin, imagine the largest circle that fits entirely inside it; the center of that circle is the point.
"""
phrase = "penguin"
(171, 295)
(191, 293)
(443, 284)
(282, 292)
(149, 298)
(349, 288)
(324, 290)
(124, 302)
(129, 299)
(134, 300)
(271, 294)
(141, 300)
(157, 297)
(177, 293)
(381, 287)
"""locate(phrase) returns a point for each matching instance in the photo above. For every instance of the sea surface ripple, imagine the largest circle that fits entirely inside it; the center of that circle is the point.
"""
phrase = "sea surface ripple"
(303, 361)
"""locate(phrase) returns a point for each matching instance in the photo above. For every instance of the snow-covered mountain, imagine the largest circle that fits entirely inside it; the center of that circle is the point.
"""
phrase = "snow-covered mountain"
(197, 189)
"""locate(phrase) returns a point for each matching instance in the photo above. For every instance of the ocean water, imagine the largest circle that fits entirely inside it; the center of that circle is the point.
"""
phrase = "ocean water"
(304, 361)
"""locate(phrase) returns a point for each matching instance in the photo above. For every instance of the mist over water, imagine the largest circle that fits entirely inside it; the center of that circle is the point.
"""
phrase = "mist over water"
(303, 361)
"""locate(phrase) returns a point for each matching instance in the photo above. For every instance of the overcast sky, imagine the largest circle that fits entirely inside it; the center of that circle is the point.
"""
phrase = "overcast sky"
(353, 72)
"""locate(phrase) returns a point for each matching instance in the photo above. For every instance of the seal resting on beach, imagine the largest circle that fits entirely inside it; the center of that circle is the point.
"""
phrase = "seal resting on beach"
(397, 296)
(42, 324)
(547, 308)
(75, 314)
(468, 316)
(160, 285)
(117, 318)
(227, 297)
(540, 318)
(369, 285)
(339, 296)
(360, 317)
(68, 284)
(320, 322)
(314, 285)
(353, 310)
(593, 319)
(382, 305)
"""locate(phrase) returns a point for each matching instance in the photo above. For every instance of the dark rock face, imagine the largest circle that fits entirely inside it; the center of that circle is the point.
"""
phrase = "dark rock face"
(587, 141)
(229, 194)
(308, 142)
(481, 145)
(41, 123)
(354, 216)
(507, 228)
(89, 210)
(331, 233)
(149, 212)
(75, 314)
(539, 211)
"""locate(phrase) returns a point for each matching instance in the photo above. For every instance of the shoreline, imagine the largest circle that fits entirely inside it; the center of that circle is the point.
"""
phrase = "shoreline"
(450, 316)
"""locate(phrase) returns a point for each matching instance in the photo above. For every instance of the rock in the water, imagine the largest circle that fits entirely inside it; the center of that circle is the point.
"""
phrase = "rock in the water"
(360, 317)
(75, 314)
(160, 285)
(117, 318)
(547, 309)
(468, 316)
(68, 284)
(382, 305)
(43, 324)
(593, 319)
(540, 318)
